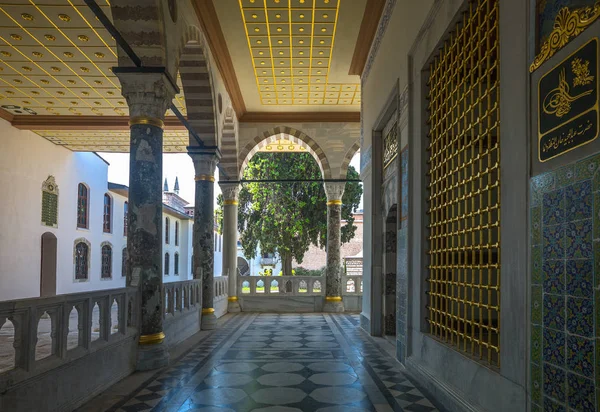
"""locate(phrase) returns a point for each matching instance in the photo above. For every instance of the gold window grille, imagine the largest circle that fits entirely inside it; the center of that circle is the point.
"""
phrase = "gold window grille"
(464, 186)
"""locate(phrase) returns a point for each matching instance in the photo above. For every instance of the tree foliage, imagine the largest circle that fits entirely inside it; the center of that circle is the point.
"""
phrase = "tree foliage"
(286, 218)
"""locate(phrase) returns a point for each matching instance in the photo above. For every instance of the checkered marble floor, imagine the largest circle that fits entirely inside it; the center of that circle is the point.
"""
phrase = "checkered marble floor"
(282, 363)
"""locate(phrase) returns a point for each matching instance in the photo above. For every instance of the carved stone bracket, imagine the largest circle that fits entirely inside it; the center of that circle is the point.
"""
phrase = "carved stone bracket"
(568, 24)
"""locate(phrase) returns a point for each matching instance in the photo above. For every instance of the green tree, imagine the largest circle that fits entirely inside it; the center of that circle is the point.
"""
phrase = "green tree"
(219, 214)
(286, 218)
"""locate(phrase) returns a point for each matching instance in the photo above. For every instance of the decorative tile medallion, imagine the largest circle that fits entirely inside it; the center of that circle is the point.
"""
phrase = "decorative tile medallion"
(565, 296)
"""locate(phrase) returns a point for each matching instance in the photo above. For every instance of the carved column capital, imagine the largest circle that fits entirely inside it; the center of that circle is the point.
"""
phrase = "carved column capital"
(147, 94)
(230, 191)
(334, 191)
(205, 165)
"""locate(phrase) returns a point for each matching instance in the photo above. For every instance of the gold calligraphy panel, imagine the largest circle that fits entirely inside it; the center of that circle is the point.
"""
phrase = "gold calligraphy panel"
(568, 103)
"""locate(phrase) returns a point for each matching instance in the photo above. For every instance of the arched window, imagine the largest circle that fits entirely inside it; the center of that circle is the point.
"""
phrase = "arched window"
(124, 262)
(125, 217)
(176, 264)
(107, 213)
(106, 271)
(167, 225)
(82, 259)
(167, 263)
(82, 206)
(176, 233)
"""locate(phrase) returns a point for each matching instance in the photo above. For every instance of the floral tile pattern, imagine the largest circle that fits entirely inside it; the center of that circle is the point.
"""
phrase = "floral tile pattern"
(565, 288)
(554, 347)
(554, 311)
(554, 382)
(580, 278)
(580, 355)
(580, 315)
(554, 276)
(578, 199)
(581, 393)
(578, 239)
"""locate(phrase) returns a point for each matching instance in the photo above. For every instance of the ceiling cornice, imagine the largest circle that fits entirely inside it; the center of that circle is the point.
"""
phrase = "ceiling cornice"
(368, 28)
(43, 122)
(207, 15)
(296, 117)
(6, 115)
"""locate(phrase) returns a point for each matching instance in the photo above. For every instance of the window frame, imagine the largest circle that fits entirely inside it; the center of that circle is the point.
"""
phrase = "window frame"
(87, 264)
(108, 274)
(83, 201)
(107, 209)
(176, 264)
(167, 228)
(167, 263)
(176, 233)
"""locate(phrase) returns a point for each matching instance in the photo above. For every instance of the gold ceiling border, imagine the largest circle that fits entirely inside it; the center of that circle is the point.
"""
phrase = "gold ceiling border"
(568, 24)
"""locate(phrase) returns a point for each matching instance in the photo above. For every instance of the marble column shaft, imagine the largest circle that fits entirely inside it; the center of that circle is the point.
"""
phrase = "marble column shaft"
(148, 96)
(203, 236)
(333, 280)
(230, 218)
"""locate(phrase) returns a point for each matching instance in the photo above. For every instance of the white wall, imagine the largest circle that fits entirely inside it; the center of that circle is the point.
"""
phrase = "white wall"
(184, 248)
(26, 160)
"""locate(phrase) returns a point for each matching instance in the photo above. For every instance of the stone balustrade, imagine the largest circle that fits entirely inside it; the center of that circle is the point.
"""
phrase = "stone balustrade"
(221, 288)
(180, 296)
(66, 336)
(281, 285)
(352, 285)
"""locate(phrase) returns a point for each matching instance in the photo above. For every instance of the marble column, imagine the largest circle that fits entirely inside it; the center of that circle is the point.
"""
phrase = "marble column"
(148, 96)
(230, 213)
(205, 163)
(333, 269)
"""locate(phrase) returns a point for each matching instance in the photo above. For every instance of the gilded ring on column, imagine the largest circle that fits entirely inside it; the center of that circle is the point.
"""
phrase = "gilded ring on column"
(333, 298)
(207, 178)
(152, 121)
(230, 202)
(232, 298)
(153, 339)
(207, 311)
(334, 202)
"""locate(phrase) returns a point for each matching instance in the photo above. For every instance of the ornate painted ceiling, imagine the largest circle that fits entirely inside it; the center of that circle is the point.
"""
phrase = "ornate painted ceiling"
(115, 141)
(289, 56)
(293, 54)
(56, 59)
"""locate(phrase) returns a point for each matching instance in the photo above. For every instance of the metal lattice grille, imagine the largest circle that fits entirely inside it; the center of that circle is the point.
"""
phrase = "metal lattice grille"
(464, 186)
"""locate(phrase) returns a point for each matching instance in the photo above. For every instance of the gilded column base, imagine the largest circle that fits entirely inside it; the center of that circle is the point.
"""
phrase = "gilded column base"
(209, 319)
(233, 305)
(333, 304)
(152, 356)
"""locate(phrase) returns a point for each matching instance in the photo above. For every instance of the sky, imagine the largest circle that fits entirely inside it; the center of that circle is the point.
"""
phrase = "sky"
(174, 165)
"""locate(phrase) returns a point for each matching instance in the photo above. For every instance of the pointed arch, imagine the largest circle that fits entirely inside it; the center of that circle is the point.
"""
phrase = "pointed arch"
(348, 158)
(288, 133)
(198, 90)
(229, 149)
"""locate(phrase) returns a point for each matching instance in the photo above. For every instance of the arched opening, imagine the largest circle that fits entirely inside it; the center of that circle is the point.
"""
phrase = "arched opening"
(196, 81)
(389, 267)
(243, 266)
(48, 265)
(281, 140)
